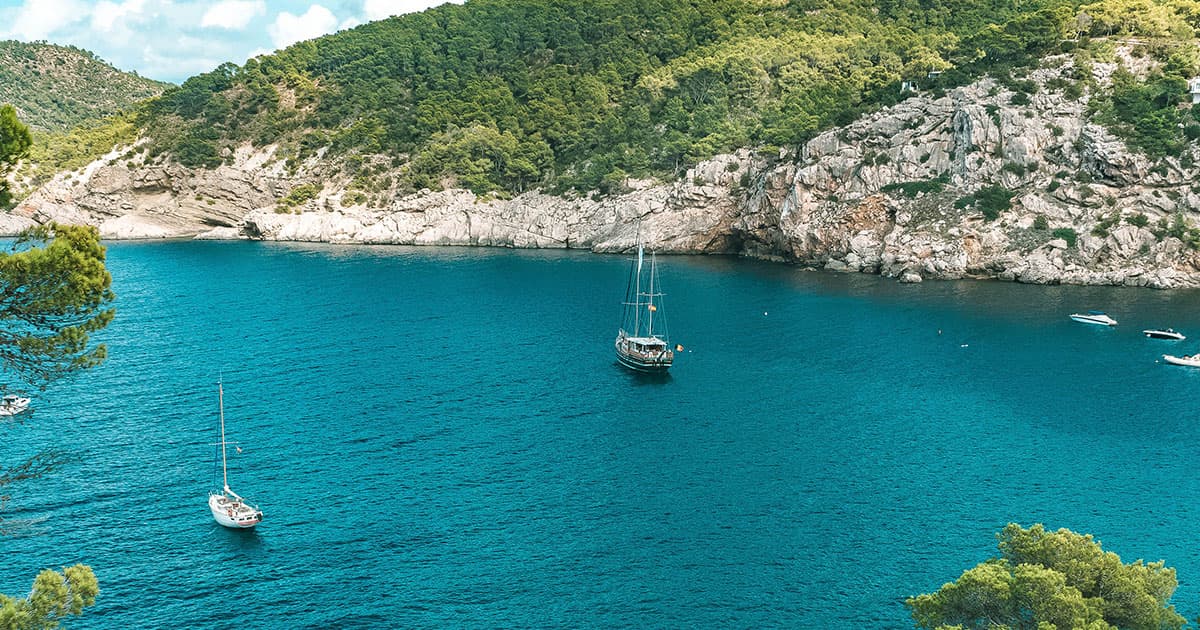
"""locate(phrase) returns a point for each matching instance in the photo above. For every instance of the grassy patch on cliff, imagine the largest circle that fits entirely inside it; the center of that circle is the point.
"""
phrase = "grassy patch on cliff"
(1067, 234)
(912, 189)
(990, 201)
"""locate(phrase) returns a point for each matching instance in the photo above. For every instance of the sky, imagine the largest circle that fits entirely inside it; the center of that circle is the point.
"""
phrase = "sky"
(171, 40)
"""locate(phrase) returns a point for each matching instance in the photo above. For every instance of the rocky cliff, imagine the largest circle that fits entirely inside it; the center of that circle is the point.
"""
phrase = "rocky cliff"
(895, 193)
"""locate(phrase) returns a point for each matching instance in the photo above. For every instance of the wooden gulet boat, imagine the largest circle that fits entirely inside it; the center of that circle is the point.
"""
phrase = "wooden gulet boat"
(638, 346)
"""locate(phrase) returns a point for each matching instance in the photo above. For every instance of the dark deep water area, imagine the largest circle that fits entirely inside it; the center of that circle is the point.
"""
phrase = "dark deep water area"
(442, 438)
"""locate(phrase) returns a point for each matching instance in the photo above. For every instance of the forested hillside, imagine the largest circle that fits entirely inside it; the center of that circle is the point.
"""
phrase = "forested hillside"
(55, 88)
(506, 95)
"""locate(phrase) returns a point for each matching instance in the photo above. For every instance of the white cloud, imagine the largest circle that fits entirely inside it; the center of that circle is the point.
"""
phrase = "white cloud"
(106, 15)
(233, 15)
(174, 39)
(38, 19)
(289, 28)
(183, 57)
(379, 9)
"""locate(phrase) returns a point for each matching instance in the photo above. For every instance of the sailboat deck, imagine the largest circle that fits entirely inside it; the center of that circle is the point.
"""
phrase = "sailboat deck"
(649, 342)
(239, 513)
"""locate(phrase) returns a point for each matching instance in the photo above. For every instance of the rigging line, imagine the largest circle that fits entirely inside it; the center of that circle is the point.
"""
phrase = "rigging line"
(628, 292)
(662, 307)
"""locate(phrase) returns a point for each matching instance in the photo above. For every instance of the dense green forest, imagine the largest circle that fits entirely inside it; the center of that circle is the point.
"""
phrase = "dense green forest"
(56, 88)
(505, 95)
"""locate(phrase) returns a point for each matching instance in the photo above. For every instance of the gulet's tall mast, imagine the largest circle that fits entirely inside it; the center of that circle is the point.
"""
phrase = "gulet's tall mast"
(650, 301)
(637, 294)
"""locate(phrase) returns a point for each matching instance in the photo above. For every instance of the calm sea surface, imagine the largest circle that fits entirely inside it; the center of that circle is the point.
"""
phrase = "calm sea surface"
(442, 438)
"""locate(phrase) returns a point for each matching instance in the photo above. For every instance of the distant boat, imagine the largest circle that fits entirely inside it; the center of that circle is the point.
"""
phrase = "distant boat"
(1094, 317)
(1190, 360)
(638, 346)
(13, 404)
(1164, 334)
(227, 507)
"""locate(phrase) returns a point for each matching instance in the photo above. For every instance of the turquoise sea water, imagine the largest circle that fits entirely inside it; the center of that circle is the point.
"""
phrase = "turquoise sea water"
(442, 438)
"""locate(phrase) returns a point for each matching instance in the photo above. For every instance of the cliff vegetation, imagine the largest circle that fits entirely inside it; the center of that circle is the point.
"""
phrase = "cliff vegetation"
(56, 88)
(508, 95)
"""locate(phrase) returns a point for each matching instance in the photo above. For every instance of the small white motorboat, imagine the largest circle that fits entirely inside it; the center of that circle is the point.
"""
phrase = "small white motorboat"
(1168, 333)
(13, 404)
(1094, 317)
(1190, 360)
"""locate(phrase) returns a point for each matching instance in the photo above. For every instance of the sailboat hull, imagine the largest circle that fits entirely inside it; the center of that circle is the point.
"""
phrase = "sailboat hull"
(643, 354)
(640, 365)
(234, 514)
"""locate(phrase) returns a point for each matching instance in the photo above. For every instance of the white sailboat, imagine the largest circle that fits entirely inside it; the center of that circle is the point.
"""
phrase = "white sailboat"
(638, 346)
(227, 507)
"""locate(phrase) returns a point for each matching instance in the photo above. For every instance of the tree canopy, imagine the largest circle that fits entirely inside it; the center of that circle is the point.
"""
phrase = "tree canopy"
(55, 291)
(56, 88)
(508, 94)
(55, 596)
(14, 144)
(1045, 580)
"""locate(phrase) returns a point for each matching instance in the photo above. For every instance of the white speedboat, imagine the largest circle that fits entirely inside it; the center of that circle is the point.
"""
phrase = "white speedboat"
(1190, 360)
(1168, 333)
(1094, 317)
(227, 507)
(13, 404)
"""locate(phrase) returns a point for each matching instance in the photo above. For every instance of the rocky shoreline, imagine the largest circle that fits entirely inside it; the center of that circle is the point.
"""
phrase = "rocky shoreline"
(882, 195)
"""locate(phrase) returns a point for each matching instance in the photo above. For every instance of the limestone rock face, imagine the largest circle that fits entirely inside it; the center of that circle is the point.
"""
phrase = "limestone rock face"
(893, 193)
(153, 200)
(11, 223)
(673, 220)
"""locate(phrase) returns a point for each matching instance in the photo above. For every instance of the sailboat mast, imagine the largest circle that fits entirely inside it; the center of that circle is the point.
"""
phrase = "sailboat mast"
(650, 300)
(221, 408)
(637, 295)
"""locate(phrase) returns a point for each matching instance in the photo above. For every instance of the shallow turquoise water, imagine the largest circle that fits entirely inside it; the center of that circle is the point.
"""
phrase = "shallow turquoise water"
(441, 437)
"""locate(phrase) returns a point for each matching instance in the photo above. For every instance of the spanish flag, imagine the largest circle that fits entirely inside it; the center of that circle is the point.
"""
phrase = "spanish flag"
(678, 347)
